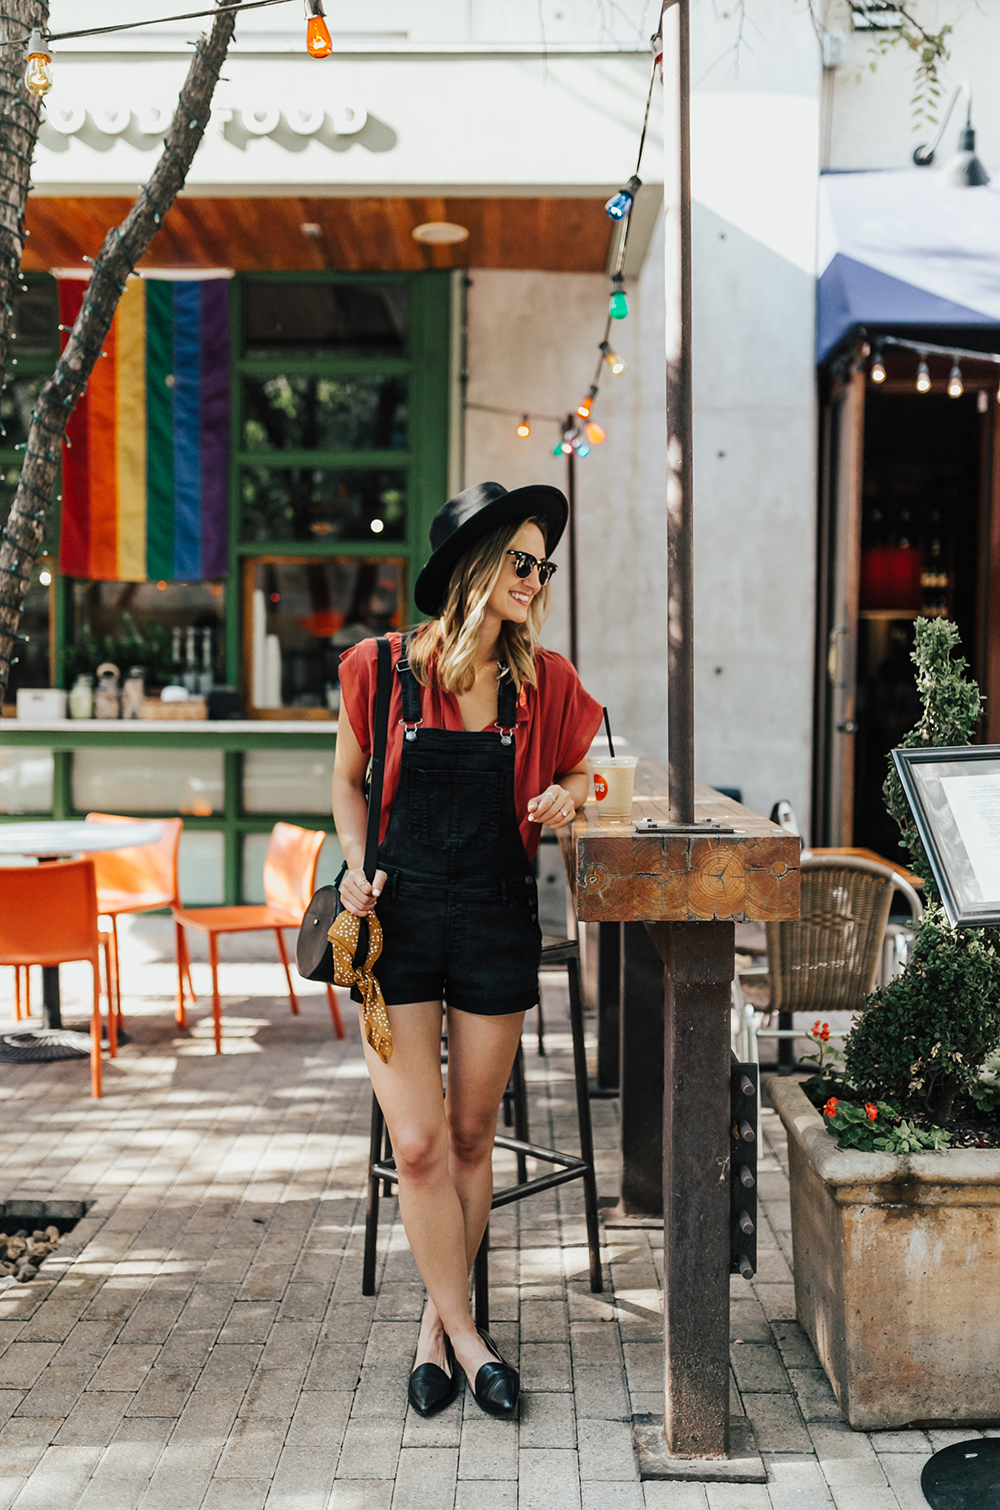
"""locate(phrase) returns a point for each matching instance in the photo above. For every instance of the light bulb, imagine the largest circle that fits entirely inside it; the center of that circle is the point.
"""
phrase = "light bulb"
(614, 361)
(319, 43)
(581, 448)
(618, 308)
(38, 69)
(524, 429)
(566, 446)
(619, 204)
(595, 434)
(45, 577)
(585, 405)
(377, 526)
(923, 377)
(878, 369)
(955, 385)
(557, 449)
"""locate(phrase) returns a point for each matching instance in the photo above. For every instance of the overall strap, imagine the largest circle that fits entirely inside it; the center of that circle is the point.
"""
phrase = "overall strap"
(382, 691)
(410, 689)
(506, 702)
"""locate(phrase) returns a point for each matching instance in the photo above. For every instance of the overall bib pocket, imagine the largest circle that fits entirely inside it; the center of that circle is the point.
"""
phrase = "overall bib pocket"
(451, 810)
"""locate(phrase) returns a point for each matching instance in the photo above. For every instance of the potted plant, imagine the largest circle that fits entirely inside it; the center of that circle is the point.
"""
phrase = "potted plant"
(894, 1148)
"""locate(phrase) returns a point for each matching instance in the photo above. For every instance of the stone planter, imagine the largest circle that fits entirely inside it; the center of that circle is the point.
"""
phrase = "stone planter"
(896, 1265)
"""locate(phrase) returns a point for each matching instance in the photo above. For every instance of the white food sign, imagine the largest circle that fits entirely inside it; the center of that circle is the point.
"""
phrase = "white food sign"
(975, 806)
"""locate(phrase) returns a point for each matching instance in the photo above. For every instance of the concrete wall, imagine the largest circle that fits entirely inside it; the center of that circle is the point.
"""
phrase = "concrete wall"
(532, 345)
(754, 164)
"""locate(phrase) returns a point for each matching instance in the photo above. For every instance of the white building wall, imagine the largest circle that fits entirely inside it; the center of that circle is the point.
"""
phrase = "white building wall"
(532, 345)
(755, 146)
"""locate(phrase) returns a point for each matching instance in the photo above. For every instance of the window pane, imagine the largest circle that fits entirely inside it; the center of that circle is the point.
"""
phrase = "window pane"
(289, 781)
(136, 624)
(324, 414)
(148, 781)
(301, 615)
(25, 781)
(200, 868)
(16, 404)
(32, 668)
(35, 319)
(315, 503)
(306, 319)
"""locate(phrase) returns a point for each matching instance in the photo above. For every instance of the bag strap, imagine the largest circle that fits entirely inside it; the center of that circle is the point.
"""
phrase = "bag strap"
(381, 735)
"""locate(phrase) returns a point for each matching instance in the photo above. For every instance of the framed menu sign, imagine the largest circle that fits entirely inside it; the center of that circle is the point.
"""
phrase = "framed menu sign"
(954, 795)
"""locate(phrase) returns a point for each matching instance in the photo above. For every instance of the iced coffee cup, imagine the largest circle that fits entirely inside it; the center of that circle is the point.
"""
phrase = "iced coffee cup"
(614, 781)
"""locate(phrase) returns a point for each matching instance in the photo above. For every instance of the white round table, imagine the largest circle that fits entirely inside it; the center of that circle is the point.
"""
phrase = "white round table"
(56, 840)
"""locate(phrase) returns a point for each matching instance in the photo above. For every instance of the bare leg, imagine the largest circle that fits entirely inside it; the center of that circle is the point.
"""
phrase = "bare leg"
(409, 1092)
(480, 1055)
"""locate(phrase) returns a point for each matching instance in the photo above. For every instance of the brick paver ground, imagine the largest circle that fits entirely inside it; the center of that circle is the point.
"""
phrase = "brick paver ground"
(200, 1342)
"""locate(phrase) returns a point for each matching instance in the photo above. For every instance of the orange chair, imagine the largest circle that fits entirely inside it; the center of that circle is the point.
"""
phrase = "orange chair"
(289, 882)
(48, 916)
(142, 878)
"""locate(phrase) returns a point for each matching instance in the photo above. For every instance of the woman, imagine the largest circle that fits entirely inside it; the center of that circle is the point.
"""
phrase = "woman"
(488, 735)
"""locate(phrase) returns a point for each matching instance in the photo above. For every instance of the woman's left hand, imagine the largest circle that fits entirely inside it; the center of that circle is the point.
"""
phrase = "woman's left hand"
(555, 807)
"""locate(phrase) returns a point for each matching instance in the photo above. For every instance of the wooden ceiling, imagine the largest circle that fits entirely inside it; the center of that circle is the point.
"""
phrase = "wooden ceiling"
(356, 235)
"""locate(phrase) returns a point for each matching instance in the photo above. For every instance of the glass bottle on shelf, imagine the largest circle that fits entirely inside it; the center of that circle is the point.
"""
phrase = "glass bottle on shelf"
(133, 692)
(107, 699)
(81, 697)
(206, 681)
(191, 677)
(176, 658)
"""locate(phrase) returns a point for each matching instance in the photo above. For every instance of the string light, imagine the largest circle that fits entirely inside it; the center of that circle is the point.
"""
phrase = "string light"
(319, 43)
(614, 361)
(923, 377)
(619, 204)
(878, 373)
(524, 429)
(595, 434)
(585, 405)
(618, 306)
(38, 68)
(955, 385)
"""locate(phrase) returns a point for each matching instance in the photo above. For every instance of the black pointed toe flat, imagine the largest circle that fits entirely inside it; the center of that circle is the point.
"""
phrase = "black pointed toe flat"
(497, 1385)
(430, 1388)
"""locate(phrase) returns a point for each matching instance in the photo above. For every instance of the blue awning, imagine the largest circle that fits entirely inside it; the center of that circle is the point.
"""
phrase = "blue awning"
(904, 248)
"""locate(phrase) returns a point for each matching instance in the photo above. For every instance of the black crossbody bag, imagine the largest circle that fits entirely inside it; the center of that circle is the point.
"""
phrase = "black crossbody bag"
(313, 954)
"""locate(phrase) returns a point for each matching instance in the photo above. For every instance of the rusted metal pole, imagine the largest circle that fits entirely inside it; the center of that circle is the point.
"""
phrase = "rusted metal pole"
(680, 545)
(571, 551)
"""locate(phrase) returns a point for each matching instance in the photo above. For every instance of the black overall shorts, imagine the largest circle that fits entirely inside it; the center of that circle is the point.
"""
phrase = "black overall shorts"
(459, 910)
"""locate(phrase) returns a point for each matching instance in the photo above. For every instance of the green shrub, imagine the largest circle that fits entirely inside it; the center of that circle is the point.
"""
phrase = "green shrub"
(924, 1037)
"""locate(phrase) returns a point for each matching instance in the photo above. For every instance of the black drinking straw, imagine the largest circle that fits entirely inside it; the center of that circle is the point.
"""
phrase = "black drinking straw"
(611, 743)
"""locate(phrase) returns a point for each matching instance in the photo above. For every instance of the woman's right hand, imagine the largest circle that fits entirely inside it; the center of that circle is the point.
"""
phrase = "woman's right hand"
(357, 895)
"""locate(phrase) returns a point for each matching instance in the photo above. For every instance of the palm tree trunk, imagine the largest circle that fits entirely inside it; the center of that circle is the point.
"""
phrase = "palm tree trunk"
(123, 246)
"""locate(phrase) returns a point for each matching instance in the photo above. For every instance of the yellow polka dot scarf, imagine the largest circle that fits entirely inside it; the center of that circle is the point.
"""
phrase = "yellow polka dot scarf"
(343, 935)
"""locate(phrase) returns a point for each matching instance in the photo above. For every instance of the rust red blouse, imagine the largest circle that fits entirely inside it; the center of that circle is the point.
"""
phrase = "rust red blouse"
(556, 724)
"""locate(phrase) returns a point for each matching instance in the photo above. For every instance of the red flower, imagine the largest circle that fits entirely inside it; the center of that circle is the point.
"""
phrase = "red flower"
(830, 1109)
(872, 1111)
(821, 1031)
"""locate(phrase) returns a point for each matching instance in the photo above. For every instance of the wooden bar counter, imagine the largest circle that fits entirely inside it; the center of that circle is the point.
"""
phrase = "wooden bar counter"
(678, 897)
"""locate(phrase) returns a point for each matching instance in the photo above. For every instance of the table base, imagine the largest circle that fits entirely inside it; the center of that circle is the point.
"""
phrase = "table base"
(42, 1045)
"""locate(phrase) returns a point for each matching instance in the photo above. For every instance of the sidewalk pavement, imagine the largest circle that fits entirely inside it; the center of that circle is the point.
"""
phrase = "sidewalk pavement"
(200, 1341)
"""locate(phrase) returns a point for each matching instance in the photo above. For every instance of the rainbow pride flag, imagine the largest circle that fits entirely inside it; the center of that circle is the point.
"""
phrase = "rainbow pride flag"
(145, 473)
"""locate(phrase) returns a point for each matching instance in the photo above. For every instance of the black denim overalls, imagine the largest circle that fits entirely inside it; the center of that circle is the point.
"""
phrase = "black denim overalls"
(459, 912)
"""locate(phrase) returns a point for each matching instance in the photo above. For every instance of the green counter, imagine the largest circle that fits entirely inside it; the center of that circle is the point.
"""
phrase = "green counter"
(229, 781)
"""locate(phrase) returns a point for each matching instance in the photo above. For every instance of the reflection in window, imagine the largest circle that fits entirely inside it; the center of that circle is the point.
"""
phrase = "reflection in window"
(35, 318)
(16, 404)
(301, 616)
(145, 624)
(324, 413)
(316, 503)
(26, 781)
(306, 319)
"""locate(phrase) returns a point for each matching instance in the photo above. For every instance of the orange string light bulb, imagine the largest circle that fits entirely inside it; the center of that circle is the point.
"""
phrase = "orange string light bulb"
(585, 405)
(595, 434)
(319, 43)
(524, 429)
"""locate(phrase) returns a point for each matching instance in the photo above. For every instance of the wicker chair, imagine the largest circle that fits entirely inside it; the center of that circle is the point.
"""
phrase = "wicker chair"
(827, 961)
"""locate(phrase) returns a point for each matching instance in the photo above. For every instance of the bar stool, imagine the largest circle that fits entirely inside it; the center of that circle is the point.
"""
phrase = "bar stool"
(556, 954)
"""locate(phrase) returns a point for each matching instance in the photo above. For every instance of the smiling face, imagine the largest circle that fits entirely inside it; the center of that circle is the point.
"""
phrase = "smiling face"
(511, 597)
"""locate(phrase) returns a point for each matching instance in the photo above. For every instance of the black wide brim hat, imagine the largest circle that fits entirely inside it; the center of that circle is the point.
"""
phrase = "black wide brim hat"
(480, 510)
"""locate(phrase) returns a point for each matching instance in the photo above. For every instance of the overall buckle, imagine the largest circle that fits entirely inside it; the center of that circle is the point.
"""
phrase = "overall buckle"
(506, 734)
(410, 730)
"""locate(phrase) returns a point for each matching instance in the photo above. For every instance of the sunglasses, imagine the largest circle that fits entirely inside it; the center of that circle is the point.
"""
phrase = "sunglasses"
(525, 563)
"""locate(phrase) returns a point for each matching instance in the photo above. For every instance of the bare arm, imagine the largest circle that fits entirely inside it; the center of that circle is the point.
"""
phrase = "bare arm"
(350, 813)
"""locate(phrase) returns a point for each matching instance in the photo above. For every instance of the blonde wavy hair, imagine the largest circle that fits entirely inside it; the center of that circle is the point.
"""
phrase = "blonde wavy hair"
(443, 651)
